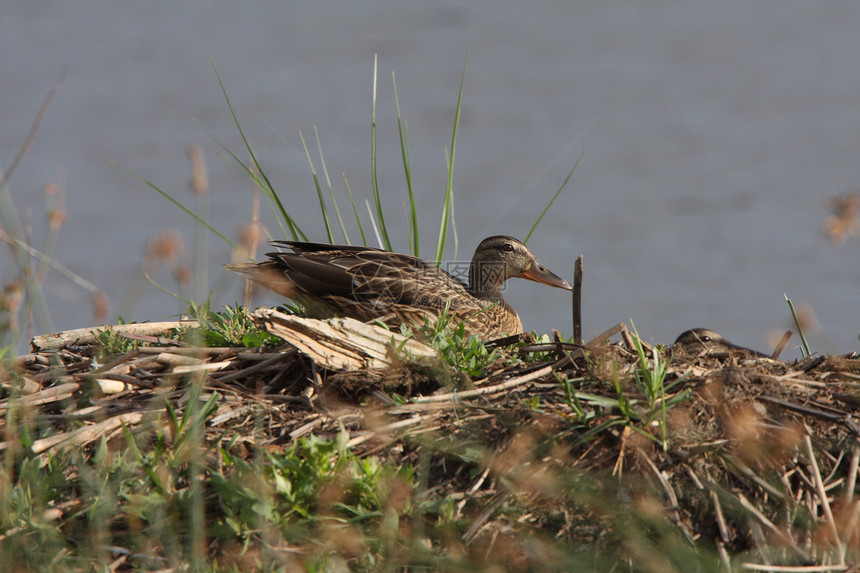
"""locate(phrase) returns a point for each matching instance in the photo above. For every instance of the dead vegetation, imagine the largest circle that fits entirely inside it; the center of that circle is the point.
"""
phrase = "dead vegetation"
(558, 456)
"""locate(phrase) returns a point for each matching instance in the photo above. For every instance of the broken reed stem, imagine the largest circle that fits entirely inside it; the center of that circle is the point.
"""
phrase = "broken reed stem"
(720, 517)
(384, 429)
(724, 533)
(86, 336)
(487, 390)
(577, 301)
(822, 495)
(791, 569)
(779, 347)
(780, 535)
(852, 476)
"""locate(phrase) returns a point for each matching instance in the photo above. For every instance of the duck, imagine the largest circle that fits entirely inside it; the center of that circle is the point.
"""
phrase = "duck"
(371, 284)
(705, 340)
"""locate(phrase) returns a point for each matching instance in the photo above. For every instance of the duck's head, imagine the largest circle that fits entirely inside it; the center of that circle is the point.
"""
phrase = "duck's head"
(697, 339)
(704, 340)
(500, 258)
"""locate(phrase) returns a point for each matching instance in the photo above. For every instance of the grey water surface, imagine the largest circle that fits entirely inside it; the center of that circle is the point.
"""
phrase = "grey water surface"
(712, 138)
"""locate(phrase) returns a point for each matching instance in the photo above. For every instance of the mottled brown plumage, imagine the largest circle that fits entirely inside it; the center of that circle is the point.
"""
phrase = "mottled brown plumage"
(371, 284)
(704, 340)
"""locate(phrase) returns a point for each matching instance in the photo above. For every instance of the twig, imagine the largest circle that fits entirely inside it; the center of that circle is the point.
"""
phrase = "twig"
(852, 476)
(779, 347)
(53, 394)
(81, 336)
(230, 414)
(305, 428)
(206, 367)
(377, 431)
(822, 495)
(152, 339)
(790, 569)
(253, 369)
(670, 493)
(742, 470)
(577, 300)
(605, 335)
(720, 517)
(780, 534)
(45, 259)
(86, 434)
(801, 409)
(486, 390)
(724, 556)
(851, 523)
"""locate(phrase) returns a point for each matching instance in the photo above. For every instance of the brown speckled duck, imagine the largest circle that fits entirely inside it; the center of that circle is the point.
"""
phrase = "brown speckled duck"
(371, 284)
(703, 340)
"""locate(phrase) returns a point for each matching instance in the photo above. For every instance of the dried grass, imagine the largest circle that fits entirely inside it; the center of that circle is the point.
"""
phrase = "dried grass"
(761, 469)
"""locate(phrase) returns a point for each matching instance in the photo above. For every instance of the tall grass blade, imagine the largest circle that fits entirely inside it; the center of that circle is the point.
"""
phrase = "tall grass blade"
(177, 296)
(373, 176)
(554, 197)
(33, 290)
(52, 206)
(47, 261)
(355, 210)
(453, 218)
(331, 189)
(178, 204)
(31, 135)
(449, 186)
(12, 223)
(252, 172)
(200, 187)
(806, 350)
(323, 209)
(373, 222)
(412, 219)
(267, 187)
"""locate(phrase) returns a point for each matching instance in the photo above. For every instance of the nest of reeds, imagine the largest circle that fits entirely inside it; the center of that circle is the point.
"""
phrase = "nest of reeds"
(751, 459)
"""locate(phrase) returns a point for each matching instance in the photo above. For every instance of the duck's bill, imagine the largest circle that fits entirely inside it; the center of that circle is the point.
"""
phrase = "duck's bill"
(539, 273)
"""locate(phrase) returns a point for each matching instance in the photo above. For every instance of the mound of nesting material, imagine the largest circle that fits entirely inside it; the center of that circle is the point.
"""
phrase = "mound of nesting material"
(752, 458)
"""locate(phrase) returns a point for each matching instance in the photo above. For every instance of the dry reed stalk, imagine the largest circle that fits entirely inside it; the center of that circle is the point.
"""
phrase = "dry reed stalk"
(823, 499)
(86, 336)
(487, 390)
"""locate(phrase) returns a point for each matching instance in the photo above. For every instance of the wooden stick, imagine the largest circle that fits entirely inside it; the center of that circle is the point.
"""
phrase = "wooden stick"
(577, 300)
(781, 535)
(782, 342)
(605, 335)
(80, 336)
(822, 495)
(848, 496)
(53, 394)
(792, 568)
(86, 434)
(486, 390)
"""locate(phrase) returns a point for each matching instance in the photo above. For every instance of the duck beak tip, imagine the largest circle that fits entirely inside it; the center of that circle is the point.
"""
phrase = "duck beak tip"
(546, 277)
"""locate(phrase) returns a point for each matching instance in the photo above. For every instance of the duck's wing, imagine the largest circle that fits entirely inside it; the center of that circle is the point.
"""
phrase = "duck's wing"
(368, 283)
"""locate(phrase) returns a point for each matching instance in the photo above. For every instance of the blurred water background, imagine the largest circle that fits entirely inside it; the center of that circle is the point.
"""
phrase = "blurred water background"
(714, 136)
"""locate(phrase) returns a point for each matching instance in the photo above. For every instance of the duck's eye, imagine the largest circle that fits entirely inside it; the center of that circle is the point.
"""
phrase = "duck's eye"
(706, 338)
(508, 247)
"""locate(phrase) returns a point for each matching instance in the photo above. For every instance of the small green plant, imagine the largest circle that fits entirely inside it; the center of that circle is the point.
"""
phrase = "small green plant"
(316, 491)
(110, 343)
(232, 327)
(464, 353)
(549, 355)
(651, 382)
